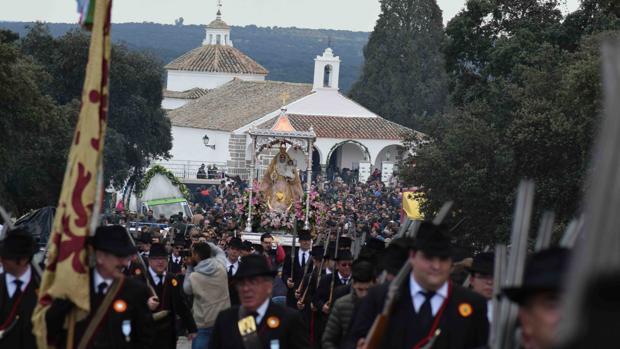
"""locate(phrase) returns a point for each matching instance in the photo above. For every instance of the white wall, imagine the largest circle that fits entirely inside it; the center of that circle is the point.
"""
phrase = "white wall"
(187, 145)
(374, 148)
(173, 103)
(179, 80)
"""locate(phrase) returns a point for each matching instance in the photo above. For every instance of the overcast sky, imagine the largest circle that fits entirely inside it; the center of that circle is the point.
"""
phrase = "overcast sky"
(326, 14)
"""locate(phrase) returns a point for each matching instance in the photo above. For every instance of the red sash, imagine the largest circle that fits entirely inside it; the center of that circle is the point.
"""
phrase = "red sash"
(431, 333)
(14, 308)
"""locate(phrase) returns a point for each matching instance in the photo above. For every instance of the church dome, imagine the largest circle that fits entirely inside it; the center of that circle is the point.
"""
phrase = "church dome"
(217, 59)
(218, 23)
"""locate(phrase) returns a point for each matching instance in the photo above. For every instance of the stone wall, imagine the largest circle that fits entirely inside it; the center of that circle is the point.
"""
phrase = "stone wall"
(238, 165)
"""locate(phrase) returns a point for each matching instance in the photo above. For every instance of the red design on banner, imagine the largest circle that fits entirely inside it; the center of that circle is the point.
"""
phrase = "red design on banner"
(83, 179)
(71, 247)
(93, 96)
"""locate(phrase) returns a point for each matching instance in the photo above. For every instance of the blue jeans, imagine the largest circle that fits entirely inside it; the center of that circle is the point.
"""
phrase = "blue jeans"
(203, 336)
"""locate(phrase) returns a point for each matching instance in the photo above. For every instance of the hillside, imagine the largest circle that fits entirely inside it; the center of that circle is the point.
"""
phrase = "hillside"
(288, 53)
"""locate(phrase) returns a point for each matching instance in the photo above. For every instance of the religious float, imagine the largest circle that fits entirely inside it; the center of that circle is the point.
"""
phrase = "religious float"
(276, 201)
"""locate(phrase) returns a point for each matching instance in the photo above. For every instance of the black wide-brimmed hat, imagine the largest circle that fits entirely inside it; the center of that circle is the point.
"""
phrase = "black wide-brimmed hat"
(113, 239)
(544, 271)
(253, 265)
(483, 263)
(433, 240)
(317, 251)
(344, 255)
(146, 238)
(304, 235)
(179, 241)
(158, 250)
(18, 243)
(235, 243)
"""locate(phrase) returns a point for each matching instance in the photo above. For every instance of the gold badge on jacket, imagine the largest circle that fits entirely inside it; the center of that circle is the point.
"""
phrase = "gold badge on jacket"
(465, 309)
(273, 322)
(138, 271)
(174, 282)
(247, 325)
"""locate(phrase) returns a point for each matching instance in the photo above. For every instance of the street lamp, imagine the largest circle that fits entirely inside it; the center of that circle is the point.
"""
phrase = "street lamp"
(205, 140)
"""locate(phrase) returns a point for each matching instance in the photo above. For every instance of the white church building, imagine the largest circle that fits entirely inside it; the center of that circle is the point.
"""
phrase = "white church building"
(215, 94)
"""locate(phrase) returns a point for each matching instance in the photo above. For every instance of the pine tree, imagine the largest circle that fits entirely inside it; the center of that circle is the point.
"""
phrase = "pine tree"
(404, 78)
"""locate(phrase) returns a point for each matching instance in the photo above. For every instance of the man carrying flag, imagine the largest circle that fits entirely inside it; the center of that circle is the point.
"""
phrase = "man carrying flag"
(119, 316)
(79, 307)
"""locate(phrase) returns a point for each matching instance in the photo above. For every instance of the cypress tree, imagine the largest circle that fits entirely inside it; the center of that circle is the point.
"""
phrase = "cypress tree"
(404, 77)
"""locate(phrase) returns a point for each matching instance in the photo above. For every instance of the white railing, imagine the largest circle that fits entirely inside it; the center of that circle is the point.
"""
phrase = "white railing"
(188, 169)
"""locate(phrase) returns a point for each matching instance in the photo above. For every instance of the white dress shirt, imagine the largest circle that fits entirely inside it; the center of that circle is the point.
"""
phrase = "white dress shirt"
(234, 265)
(419, 298)
(342, 279)
(98, 279)
(156, 278)
(176, 259)
(490, 310)
(10, 281)
(261, 311)
(300, 256)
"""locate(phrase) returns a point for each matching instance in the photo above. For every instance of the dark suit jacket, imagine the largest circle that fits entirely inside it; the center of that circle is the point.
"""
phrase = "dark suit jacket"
(20, 336)
(110, 334)
(298, 273)
(291, 331)
(175, 268)
(459, 329)
(321, 296)
(171, 299)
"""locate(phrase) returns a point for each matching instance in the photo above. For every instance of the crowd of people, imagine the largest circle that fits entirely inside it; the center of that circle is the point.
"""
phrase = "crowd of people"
(200, 279)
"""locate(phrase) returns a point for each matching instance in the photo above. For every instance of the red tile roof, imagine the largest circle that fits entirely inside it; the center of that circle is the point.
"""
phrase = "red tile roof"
(217, 59)
(345, 127)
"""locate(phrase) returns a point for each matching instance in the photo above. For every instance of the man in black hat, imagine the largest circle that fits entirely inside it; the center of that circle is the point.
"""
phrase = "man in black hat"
(481, 278)
(170, 302)
(258, 322)
(327, 291)
(175, 263)
(539, 297)
(293, 271)
(18, 290)
(430, 307)
(119, 316)
(246, 248)
(233, 253)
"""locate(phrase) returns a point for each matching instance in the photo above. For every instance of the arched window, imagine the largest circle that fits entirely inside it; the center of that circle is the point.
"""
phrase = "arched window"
(225, 39)
(219, 39)
(211, 39)
(327, 76)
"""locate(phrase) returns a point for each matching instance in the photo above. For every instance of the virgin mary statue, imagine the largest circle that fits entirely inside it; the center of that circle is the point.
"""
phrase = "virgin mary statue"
(281, 185)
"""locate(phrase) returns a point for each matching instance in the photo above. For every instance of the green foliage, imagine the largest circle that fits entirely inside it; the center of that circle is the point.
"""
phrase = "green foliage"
(525, 97)
(155, 170)
(40, 96)
(287, 53)
(403, 78)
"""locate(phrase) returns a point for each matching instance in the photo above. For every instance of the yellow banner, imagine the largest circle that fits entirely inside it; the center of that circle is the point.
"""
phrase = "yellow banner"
(411, 205)
(66, 274)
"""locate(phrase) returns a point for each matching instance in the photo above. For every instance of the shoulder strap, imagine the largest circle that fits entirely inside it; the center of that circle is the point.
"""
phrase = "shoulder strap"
(96, 320)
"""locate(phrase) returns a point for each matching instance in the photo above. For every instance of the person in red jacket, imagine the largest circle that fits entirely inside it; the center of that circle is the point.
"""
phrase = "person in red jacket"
(272, 250)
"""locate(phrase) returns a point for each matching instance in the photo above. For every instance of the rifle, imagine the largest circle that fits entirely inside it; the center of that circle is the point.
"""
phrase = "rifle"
(503, 338)
(325, 251)
(301, 283)
(545, 229)
(160, 314)
(375, 334)
(293, 256)
(333, 283)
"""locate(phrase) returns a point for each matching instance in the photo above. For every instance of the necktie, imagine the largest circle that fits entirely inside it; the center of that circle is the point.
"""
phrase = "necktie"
(426, 311)
(161, 279)
(101, 288)
(230, 270)
(303, 259)
(345, 281)
(18, 288)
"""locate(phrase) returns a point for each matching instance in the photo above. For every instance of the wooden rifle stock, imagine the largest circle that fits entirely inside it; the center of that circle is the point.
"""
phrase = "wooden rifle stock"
(375, 335)
(333, 283)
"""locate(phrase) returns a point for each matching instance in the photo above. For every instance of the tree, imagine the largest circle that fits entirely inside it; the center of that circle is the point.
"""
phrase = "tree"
(138, 130)
(403, 78)
(524, 104)
(33, 133)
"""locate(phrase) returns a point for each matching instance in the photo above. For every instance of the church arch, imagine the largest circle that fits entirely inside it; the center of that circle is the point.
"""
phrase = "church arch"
(327, 75)
(346, 154)
(392, 152)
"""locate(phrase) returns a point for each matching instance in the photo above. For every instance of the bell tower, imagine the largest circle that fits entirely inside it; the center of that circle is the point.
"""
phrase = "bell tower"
(326, 71)
(218, 32)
